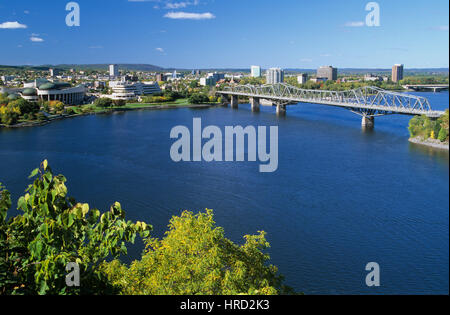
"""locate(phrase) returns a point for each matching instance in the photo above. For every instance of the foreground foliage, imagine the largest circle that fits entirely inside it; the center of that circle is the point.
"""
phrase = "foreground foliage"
(53, 230)
(195, 258)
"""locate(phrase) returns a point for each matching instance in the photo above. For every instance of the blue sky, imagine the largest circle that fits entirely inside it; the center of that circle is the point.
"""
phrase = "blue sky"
(226, 33)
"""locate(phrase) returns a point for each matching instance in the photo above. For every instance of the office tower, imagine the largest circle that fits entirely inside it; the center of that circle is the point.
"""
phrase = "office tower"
(302, 78)
(113, 71)
(397, 73)
(327, 72)
(256, 71)
(274, 76)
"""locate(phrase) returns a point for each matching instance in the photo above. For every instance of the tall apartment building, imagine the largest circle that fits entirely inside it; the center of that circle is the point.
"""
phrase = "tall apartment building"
(256, 71)
(327, 72)
(274, 76)
(397, 73)
(113, 70)
(302, 78)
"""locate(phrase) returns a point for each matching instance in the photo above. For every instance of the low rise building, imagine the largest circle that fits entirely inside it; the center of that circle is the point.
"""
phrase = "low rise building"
(129, 90)
(372, 78)
(42, 89)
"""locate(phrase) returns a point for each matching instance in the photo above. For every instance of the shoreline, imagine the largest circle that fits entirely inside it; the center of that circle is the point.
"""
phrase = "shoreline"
(431, 143)
(106, 111)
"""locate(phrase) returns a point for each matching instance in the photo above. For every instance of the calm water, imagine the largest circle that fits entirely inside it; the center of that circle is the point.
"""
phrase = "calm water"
(341, 197)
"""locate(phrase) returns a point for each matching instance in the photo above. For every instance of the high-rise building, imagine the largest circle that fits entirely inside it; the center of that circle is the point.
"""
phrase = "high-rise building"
(397, 73)
(274, 76)
(113, 71)
(256, 71)
(327, 72)
(160, 77)
(302, 78)
(53, 72)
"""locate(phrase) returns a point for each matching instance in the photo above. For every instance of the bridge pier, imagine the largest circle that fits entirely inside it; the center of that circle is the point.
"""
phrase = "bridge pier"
(255, 102)
(281, 109)
(368, 122)
(234, 101)
(225, 100)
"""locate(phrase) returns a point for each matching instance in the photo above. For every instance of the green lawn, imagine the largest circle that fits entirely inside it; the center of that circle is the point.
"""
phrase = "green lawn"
(180, 102)
(95, 109)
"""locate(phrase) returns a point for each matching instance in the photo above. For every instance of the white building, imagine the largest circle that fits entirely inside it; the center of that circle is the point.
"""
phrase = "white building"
(7, 78)
(274, 76)
(302, 78)
(372, 78)
(131, 90)
(255, 71)
(113, 70)
(212, 79)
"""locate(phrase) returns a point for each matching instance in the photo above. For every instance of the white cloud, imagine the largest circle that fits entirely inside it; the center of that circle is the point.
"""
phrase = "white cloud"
(355, 24)
(306, 60)
(36, 39)
(189, 16)
(12, 25)
(180, 5)
(443, 28)
(159, 49)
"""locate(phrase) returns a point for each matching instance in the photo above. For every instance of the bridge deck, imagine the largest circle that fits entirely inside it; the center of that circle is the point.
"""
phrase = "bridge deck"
(373, 101)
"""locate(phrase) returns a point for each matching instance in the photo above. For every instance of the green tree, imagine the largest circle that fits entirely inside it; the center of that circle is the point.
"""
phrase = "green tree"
(103, 102)
(195, 258)
(198, 98)
(53, 230)
(25, 106)
(119, 103)
(9, 115)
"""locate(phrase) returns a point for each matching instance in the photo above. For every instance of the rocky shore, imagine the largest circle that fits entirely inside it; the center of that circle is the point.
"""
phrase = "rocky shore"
(433, 143)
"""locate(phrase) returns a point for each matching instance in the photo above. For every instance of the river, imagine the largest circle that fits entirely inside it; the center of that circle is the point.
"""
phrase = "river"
(341, 197)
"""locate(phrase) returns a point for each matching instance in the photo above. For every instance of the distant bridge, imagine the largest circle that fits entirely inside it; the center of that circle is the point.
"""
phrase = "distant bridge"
(368, 102)
(420, 87)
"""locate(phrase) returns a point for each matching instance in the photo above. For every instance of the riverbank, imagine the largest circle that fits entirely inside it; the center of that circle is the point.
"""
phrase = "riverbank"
(433, 143)
(128, 107)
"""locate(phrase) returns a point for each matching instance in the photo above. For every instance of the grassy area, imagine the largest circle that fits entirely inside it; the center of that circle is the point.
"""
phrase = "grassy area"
(180, 102)
(95, 109)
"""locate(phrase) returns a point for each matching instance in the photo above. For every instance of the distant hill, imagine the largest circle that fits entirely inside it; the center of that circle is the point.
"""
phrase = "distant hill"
(127, 67)
(103, 67)
(148, 67)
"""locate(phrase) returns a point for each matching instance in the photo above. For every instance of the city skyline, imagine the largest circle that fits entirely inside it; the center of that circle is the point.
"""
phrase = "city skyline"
(208, 34)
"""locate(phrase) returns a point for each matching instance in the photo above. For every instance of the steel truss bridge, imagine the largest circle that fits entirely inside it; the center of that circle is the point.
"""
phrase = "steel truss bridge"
(369, 102)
